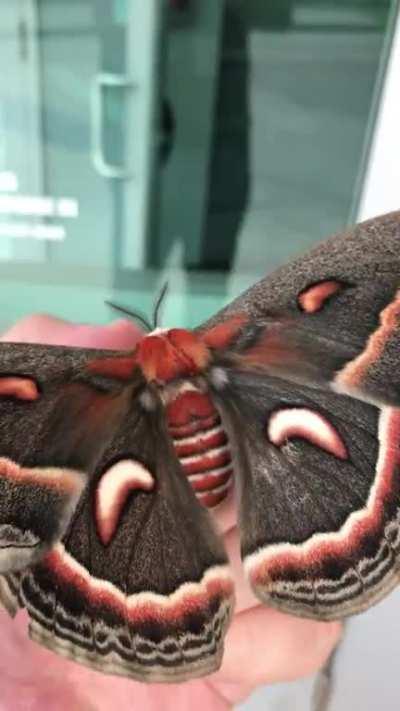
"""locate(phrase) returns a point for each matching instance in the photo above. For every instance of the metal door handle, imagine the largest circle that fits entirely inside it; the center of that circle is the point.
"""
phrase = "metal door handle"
(100, 81)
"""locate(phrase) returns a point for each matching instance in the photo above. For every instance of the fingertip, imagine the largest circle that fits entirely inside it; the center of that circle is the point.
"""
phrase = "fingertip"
(265, 646)
(35, 329)
(329, 635)
(225, 514)
(46, 329)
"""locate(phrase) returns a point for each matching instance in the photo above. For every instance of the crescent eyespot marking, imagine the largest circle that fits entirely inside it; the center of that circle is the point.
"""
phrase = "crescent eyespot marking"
(313, 297)
(113, 490)
(62, 480)
(269, 562)
(18, 387)
(310, 425)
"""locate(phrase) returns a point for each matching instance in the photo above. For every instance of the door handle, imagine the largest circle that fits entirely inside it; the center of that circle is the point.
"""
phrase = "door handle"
(100, 82)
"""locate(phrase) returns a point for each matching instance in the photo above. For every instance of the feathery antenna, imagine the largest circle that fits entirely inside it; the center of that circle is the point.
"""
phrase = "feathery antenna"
(139, 316)
(133, 314)
(159, 303)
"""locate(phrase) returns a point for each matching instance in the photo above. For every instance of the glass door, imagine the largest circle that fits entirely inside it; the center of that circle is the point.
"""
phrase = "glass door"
(296, 88)
(200, 142)
(77, 139)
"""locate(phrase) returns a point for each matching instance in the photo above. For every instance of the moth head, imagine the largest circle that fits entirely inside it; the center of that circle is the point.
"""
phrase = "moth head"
(166, 355)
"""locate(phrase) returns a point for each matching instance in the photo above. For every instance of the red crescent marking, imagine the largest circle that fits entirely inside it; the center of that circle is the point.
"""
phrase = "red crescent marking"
(313, 298)
(66, 481)
(353, 373)
(221, 335)
(112, 492)
(100, 593)
(307, 424)
(365, 522)
(18, 387)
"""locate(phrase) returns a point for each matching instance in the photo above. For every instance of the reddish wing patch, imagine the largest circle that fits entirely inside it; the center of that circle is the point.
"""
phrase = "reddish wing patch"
(272, 350)
(36, 504)
(112, 492)
(307, 424)
(351, 376)
(120, 368)
(313, 298)
(190, 598)
(19, 388)
(222, 335)
(66, 481)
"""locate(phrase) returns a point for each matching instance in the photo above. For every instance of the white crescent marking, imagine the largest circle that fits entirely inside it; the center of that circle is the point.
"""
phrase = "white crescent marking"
(307, 424)
(114, 488)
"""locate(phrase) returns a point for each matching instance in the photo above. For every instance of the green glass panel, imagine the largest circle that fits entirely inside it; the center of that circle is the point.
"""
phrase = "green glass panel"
(199, 143)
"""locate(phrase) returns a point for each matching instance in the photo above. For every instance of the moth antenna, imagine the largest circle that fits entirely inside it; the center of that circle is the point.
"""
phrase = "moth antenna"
(133, 314)
(158, 304)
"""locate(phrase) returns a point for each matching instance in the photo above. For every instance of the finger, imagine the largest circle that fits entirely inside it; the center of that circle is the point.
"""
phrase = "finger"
(34, 678)
(245, 598)
(41, 328)
(264, 646)
(225, 514)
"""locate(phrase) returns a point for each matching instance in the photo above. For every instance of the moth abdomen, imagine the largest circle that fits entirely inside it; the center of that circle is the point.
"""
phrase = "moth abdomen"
(200, 442)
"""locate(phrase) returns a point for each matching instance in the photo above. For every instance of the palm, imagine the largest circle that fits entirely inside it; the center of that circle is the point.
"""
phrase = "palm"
(263, 646)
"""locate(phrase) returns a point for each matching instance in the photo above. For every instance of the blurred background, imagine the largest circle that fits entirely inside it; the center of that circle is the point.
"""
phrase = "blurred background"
(204, 142)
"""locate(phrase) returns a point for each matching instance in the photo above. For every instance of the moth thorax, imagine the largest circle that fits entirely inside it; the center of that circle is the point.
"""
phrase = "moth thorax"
(164, 356)
(200, 441)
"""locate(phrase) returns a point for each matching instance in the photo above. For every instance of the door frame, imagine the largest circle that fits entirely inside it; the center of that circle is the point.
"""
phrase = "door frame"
(381, 170)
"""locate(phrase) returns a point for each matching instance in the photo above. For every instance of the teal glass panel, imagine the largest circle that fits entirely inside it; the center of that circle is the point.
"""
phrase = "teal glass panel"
(201, 143)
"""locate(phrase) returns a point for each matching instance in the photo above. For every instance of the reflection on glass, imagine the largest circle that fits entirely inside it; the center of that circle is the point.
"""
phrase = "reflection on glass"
(294, 93)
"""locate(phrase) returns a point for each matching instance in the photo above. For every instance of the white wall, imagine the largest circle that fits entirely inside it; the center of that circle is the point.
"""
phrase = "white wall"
(381, 191)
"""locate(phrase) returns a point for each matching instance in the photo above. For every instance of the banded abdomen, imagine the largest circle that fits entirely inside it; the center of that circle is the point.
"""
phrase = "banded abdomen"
(201, 443)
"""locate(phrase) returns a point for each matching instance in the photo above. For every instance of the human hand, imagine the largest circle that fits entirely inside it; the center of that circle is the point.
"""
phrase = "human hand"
(263, 646)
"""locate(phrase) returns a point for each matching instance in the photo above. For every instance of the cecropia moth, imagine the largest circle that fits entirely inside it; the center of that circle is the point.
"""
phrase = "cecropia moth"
(110, 462)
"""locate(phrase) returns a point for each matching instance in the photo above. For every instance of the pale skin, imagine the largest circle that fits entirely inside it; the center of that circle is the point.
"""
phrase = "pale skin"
(263, 646)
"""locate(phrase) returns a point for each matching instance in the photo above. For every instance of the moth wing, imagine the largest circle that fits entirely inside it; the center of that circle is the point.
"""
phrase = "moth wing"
(55, 420)
(328, 319)
(319, 490)
(140, 585)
